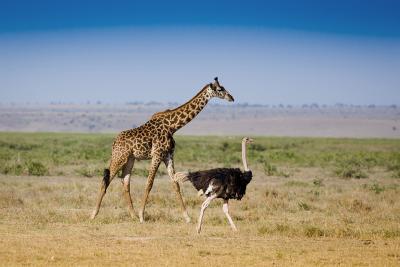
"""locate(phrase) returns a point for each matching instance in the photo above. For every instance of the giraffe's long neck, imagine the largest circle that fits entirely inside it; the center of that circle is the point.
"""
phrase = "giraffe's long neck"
(182, 115)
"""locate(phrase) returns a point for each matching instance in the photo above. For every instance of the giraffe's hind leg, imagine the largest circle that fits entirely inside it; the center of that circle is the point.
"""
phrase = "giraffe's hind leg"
(126, 174)
(109, 174)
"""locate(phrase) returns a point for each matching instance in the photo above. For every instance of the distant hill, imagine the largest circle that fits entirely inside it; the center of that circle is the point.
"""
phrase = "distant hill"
(339, 120)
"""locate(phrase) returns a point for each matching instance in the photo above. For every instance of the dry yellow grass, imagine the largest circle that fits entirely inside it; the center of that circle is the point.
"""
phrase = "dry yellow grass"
(310, 218)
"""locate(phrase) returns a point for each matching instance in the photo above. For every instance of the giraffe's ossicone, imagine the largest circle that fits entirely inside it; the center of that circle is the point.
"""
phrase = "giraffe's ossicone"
(154, 140)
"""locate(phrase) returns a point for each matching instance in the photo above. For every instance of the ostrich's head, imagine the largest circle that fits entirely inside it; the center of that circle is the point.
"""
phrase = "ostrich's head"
(247, 140)
(217, 90)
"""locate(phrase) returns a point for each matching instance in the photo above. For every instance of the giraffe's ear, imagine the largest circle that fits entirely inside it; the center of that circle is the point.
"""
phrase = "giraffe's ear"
(211, 86)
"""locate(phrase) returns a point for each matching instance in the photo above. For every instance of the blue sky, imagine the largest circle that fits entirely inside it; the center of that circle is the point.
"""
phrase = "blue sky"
(268, 52)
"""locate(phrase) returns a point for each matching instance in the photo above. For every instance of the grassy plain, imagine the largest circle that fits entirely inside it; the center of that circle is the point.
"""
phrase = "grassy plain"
(313, 201)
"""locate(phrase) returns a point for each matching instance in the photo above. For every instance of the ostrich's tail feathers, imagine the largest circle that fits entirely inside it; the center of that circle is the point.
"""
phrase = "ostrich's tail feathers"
(181, 177)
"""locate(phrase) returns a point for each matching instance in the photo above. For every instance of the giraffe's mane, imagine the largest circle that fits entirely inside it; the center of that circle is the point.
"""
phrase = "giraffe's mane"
(175, 109)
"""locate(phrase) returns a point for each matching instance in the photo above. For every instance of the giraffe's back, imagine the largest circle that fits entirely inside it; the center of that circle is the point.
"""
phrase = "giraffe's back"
(136, 142)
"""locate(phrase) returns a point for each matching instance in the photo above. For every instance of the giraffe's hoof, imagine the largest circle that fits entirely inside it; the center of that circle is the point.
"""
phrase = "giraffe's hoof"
(93, 215)
(187, 218)
(132, 215)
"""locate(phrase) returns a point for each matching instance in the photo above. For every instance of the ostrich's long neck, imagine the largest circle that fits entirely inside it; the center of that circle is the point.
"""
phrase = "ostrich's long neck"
(182, 115)
(244, 157)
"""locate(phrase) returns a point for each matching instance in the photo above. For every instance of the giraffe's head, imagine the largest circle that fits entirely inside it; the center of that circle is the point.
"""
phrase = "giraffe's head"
(217, 90)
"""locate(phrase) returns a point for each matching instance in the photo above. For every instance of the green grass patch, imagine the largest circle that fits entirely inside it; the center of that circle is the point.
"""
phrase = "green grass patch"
(70, 154)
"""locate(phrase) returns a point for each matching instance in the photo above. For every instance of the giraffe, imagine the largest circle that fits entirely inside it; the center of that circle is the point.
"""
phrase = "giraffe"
(154, 141)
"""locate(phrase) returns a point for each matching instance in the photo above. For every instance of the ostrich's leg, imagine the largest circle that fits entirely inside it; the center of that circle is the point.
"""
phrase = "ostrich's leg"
(225, 208)
(155, 163)
(126, 174)
(203, 208)
(169, 163)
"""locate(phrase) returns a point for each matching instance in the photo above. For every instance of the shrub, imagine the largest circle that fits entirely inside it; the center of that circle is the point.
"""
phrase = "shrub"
(13, 169)
(271, 193)
(224, 146)
(312, 231)
(230, 159)
(394, 166)
(270, 169)
(282, 228)
(84, 172)
(89, 172)
(257, 147)
(37, 169)
(350, 168)
(376, 188)
(140, 172)
(304, 206)
(263, 230)
(283, 155)
(396, 174)
(358, 206)
(317, 182)
(315, 193)
(391, 233)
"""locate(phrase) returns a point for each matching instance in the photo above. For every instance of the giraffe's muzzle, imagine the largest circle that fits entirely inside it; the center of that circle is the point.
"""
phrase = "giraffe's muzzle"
(229, 97)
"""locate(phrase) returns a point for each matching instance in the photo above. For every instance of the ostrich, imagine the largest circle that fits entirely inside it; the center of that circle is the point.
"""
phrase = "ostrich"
(225, 183)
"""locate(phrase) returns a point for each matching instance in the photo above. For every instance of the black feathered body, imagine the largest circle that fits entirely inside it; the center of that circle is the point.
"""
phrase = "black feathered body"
(226, 183)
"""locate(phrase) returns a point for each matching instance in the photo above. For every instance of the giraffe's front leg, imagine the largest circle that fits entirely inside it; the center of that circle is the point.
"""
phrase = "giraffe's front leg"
(169, 163)
(155, 163)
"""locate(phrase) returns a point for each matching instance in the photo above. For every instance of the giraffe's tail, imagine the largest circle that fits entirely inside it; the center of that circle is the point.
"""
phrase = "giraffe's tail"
(106, 177)
(181, 177)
